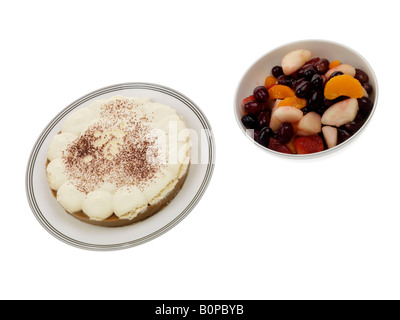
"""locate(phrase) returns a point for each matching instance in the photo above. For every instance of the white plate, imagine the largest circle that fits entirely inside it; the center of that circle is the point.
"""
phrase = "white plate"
(79, 234)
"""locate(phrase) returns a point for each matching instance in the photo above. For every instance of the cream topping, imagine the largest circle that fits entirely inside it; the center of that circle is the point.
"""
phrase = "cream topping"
(118, 155)
(70, 197)
(58, 143)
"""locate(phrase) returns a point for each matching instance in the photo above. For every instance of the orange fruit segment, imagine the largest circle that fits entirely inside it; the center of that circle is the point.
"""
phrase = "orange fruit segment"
(291, 145)
(249, 98)
(280, 91)
(343, 85)
(334, 63)
(296, 102)
(270, 81)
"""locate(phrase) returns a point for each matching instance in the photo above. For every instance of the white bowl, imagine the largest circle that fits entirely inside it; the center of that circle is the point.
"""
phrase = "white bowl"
(257, 73)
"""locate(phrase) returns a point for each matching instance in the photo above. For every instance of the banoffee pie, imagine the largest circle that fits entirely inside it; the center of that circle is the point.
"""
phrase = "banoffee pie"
(119, 160)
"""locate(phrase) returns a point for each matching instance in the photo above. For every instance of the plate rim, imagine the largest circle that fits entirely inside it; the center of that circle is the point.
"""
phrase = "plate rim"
(91, 95)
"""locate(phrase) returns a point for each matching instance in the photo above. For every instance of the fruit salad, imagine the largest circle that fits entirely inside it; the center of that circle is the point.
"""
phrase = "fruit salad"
(308, 104)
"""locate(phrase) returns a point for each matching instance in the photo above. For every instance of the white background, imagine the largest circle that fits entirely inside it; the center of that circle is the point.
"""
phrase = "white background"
(266, 228)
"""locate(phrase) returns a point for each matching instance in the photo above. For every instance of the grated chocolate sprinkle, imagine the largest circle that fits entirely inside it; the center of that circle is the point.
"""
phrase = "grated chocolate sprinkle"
(118, 148)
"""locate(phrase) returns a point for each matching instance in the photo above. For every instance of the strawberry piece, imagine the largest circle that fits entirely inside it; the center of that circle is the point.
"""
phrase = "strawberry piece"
(277, 146)
(249, 98)
(308, 144)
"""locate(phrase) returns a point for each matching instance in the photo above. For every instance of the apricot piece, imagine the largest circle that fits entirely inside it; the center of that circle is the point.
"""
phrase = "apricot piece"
(343, 85)
(334, 64)
(296, 102)
(270, 81)
(279, 91)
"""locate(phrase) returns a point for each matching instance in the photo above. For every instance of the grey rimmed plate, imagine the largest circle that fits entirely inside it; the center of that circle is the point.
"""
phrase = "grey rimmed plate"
(82, 235)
